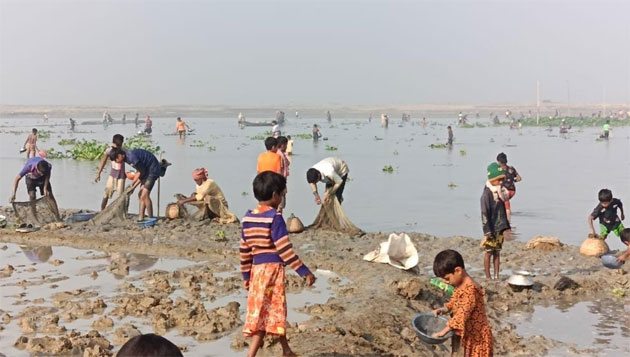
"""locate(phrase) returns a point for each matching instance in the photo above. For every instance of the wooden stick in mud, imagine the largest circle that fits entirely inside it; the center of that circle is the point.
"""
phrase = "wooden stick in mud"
(158, 200)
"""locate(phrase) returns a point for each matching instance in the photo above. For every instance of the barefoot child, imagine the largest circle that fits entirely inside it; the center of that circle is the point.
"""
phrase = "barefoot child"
(511, 178)
(625, 239)
(265, 250)
(31, 144)
(494, 220)
(472, 335)
(283, 143)
(116, 179)
(606, 211)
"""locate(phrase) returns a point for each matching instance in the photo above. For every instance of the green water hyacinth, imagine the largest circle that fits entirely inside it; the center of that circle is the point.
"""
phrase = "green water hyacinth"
(87, 150)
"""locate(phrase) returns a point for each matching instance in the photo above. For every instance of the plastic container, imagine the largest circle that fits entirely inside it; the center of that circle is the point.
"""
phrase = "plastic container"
(448, 289)
(426, 324)
(82, 217)
(149, 222)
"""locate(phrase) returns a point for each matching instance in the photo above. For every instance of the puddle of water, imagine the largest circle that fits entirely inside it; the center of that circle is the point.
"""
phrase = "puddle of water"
(77, 267)
(418, 196)
(603, 325)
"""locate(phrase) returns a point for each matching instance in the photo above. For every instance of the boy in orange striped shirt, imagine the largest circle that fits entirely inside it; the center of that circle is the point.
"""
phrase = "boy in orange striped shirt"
(265, 249)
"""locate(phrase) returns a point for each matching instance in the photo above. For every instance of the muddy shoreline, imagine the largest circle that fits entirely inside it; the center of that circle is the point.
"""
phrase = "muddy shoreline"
(369, 315)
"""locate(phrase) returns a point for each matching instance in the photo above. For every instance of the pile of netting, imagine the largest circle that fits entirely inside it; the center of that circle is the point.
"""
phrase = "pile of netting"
(210, 208)
(116, 211)
(332, 217)
(38, 212)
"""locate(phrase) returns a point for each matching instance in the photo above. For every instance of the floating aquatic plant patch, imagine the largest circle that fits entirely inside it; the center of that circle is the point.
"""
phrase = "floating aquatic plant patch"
(53, 154)
(388, 168)
(141, 142)
(331, 148)
(44, 134)
(87, 150)
(437, 146)
(66, 142)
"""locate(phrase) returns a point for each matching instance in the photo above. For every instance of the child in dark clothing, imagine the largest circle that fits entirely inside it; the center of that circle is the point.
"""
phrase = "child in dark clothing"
(496, 226)
(606, 211)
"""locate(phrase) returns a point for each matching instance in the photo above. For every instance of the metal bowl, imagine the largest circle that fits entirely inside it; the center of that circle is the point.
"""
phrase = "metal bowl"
(426, 324)
(610, 261)
(520, 281)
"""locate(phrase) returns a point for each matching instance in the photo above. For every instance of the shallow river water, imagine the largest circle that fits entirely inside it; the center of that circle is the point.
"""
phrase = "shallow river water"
(561, 174)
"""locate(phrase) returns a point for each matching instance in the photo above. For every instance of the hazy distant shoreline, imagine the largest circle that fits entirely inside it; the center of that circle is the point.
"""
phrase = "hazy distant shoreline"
(308, 111)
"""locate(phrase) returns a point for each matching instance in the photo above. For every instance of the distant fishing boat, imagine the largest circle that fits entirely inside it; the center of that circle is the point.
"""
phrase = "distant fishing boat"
(243, 122)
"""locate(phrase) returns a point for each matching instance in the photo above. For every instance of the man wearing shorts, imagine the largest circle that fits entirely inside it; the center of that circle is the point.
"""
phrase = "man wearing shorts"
(148, 171)
(37, 172)
(116, 179)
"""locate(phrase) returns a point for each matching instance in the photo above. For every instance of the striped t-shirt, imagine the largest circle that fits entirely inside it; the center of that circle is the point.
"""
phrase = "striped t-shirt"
(265, 239)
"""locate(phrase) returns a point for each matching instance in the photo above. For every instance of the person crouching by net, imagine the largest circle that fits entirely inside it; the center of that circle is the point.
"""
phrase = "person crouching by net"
(37, 172)
(333, 172)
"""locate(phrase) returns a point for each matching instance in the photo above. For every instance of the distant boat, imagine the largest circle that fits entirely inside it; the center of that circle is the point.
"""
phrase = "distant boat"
(255, 123)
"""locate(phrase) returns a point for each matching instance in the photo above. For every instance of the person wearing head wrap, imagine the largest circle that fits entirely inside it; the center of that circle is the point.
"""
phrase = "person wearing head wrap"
(209, 198)
(496, 226)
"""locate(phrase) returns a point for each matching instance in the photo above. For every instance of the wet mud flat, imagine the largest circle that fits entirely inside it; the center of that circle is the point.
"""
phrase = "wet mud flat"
(181, 280)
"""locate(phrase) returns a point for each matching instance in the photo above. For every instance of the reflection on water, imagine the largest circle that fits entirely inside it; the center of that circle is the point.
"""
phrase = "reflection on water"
(603, 325)
(549, 200)
(37, 254)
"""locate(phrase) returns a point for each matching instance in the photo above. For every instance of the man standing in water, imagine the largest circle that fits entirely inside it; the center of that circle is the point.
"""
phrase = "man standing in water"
(181, 127)
(37, 172)
(333, 172)
(511, 177)
(135, 121)
(316, 133)
(149, 170)
(450, 136)
(148, 125)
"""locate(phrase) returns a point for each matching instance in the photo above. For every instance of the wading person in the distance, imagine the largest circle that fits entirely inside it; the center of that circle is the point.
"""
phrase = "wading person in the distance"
(333, 172)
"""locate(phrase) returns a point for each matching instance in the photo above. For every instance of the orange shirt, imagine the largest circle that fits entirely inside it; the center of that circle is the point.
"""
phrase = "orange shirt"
(470, 321)
(269, 161)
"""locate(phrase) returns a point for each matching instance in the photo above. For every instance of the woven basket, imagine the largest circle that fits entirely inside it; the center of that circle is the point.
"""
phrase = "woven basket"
(294, 225)
(173, 211)
(594, 247)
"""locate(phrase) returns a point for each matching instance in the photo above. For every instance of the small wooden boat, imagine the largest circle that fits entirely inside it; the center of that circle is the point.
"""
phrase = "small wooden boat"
(255, 123)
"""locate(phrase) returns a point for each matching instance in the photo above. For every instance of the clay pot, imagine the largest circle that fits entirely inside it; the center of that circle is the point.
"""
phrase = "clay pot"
(172, 211)
(294, 225)
(594, 247)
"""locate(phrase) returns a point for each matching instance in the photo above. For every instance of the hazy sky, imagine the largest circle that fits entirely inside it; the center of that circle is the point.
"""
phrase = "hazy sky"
(312, 52)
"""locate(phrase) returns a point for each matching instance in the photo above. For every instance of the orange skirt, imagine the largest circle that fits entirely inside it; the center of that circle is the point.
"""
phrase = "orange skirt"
(266, 301)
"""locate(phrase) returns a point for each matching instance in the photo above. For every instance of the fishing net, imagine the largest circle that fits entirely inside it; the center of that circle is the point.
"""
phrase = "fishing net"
(332, 217)
(38, 212)
(210, 208)
(116, 211)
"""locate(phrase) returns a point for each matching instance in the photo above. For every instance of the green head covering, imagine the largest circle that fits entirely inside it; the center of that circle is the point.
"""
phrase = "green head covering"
(495, 171)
